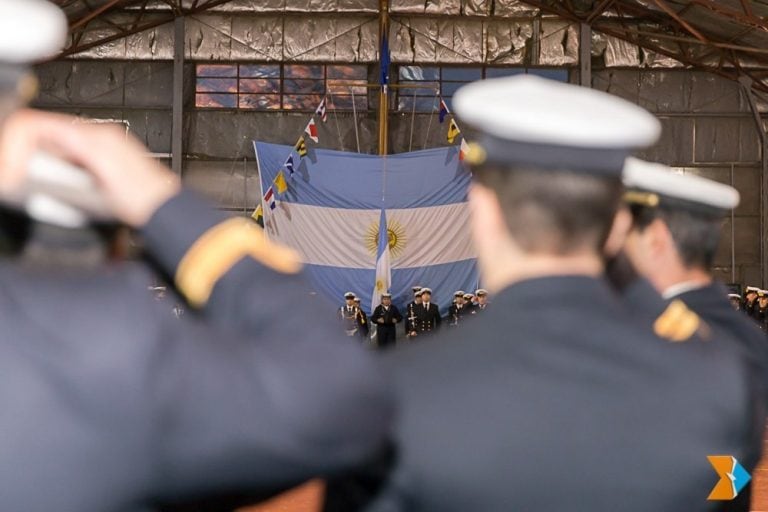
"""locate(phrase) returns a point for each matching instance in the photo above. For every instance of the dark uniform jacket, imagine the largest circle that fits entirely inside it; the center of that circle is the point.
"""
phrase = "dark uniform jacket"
(410, 310)
(427, 319)
(362, 321)
(391, 316)
(354, 320)
(539, 415)
(455, 313)
(711, 304)
(386, 332)
(110, 403)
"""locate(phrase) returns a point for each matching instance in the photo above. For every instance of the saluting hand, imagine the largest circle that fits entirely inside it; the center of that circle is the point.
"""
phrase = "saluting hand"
(134, 184)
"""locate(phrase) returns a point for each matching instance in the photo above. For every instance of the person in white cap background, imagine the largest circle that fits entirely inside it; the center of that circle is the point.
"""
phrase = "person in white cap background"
(363, 329)
(410, 312)
(573, 406)
(482, 300)
(469, 304)
(735, 300)
(456, 310)
(750, 300)
(761, 312)
(386, 317)
(428, 317)
(110, 404)
(677, 220)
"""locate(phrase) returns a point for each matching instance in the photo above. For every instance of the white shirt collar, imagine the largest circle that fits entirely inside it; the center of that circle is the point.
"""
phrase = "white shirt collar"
(680, 288)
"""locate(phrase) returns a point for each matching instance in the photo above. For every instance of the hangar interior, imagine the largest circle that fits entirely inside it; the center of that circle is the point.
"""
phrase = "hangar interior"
(199, 80)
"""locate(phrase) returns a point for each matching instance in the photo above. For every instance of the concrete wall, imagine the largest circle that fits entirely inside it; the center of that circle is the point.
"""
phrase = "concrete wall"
(708, 130)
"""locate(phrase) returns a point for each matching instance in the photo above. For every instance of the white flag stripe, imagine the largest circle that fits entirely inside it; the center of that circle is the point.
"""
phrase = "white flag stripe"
(341, 237)
(433, 235)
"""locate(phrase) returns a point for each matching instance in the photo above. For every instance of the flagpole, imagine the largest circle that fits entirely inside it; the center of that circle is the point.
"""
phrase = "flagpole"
(383, 89)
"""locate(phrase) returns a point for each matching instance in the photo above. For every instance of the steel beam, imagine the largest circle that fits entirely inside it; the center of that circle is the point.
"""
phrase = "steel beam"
(177, 123)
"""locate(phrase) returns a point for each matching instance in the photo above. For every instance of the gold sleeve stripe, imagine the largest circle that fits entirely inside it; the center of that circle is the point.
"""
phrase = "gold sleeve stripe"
(220, 248)
(677, 323)
(642, 198)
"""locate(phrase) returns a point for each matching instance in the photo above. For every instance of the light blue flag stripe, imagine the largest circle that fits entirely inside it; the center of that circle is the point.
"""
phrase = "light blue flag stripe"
(350, 180)
(334, 179)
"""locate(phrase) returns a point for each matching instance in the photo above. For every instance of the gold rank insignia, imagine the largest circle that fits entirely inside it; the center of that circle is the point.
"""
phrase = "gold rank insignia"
(220, 248)
(678, 323)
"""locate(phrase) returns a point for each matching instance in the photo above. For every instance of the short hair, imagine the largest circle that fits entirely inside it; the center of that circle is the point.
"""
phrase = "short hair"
(696, 234)
(554, 211)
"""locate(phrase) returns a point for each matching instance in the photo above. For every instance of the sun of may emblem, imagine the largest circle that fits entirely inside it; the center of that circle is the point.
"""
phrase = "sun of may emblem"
(395, 233)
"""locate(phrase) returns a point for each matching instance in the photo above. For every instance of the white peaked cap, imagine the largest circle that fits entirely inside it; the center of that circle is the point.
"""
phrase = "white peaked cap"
(528, 120)
(687, 188)
(30, 30)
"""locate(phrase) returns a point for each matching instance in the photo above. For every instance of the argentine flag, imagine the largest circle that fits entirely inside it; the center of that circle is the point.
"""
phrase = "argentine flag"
(333, 215)
(383, 272)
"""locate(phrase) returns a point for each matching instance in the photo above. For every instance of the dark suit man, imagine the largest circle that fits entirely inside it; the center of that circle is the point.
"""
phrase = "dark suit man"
(386, 316)
(536, 413)
(427, 314)
(457, 309)
(112, 404)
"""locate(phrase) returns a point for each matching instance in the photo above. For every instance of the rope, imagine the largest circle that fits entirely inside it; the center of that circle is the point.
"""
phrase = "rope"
(354, 113)
(413, 117)
(431, 116)
(336, 118)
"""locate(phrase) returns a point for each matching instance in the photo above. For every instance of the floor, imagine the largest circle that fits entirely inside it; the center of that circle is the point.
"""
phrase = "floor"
(760, 483)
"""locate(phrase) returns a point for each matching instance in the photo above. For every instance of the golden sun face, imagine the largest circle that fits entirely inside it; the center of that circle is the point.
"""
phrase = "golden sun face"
(395, 235)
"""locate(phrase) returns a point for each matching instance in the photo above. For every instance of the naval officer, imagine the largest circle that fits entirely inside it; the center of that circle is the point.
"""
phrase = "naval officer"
(573, 405)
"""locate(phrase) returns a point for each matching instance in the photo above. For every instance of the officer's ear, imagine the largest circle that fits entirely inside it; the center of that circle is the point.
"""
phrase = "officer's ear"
(658, 238)
(617, 236)
(486, 210)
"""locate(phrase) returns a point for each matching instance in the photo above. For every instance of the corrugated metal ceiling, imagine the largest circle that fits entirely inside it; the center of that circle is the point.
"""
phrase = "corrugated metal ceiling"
(729, 37)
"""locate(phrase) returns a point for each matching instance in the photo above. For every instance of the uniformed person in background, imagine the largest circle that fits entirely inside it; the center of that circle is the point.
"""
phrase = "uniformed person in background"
(469, 304)
(410, 313)
(111, 403)
(456, 310)
(386, 316)
(676, 225)
(482, 300)
(750, 300)
(363, 327)
(348, 314)
(761, 312)
(735, 300)
(572, 405)
(427, 314)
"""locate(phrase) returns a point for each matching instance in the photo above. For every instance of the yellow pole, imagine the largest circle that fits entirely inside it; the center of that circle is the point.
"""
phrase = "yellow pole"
(383, 89)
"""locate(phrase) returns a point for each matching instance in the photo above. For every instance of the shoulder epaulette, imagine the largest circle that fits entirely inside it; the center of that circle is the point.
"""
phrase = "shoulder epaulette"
(677, 323)
(220, 248)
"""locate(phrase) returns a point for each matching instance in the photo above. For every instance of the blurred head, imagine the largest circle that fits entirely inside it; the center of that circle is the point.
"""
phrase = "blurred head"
(553, 212)
(666, 238)
(676, 222)
(386, 300)
(547, 174)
